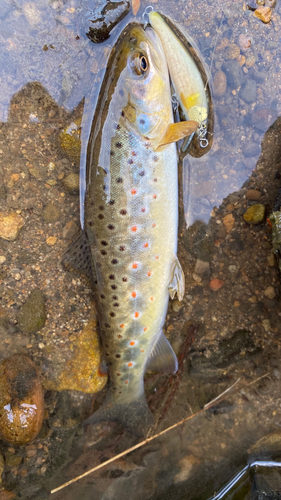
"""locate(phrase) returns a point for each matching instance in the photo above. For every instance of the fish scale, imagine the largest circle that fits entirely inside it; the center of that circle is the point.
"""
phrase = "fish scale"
(129, 243)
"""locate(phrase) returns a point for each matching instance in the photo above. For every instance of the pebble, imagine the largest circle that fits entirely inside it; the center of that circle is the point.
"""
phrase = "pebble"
(250, 61)
(270, 292)
(263, 118)
(254, 214)
(244, 42)
(51, 213)
(252, 149)
(219, 84)
(266, 325)
(253, 194)
(233, 268)
(177, 305)
(10, 226)
(2, 259)
(232, 51)
(216, 284)
(248, 91)
(70, 141)
(263, 13)
(228, 222)
(71, 183)
(202, 268)
(21, 401)
(70, 230)
(233, 73)
(51, 241)
(32, 315)
(271, 260)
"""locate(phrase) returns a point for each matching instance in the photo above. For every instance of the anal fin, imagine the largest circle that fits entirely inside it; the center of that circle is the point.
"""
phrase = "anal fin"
(162, 357)
(78, 258)
(177, 284)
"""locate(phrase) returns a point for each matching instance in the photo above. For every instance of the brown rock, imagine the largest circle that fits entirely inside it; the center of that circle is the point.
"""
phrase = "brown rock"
(263, 118)
(228, 222)
(215, 284)
(253, 194)
(10, 226)
(244, 42)
(232, 51)
(219, 83)
(70, 230)
(263, 13)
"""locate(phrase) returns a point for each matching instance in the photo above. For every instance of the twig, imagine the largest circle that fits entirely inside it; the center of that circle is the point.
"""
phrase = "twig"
(148, 440)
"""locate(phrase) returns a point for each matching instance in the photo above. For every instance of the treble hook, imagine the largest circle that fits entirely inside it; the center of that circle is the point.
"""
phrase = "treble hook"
(145, 17)
(175, 102)
(203, 141)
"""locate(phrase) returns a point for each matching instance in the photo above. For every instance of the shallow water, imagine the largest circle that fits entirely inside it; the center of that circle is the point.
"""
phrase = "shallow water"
(220, 336)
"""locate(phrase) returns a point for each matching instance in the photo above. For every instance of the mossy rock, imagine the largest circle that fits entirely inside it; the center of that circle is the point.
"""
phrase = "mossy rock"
(32, 315)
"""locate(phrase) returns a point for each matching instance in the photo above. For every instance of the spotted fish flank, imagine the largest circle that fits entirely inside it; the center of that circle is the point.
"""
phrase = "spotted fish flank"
(131, 220)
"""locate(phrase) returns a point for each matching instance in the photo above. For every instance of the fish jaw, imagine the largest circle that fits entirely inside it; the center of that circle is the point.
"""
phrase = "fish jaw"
(185, 76)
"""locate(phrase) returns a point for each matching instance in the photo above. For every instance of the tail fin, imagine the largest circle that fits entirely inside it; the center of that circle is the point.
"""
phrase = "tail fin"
(134, 415)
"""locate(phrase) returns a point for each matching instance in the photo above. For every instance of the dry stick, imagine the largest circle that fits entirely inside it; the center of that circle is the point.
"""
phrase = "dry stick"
(139, 445)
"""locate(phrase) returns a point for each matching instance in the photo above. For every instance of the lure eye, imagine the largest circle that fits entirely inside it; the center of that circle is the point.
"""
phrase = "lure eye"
(139, 64)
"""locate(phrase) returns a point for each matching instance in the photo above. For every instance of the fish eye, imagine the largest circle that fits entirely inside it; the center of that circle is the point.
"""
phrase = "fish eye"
(139, 64)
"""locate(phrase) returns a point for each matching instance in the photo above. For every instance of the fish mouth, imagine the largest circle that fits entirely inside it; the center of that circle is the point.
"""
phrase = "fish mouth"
(156, 49)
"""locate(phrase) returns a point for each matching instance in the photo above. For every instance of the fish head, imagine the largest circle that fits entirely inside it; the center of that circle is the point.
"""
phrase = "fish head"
(143, 83)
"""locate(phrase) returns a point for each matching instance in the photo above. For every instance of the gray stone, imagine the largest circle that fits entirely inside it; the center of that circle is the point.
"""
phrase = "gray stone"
(233, 73)
(51, 213)
(248, 91)
(202, 268)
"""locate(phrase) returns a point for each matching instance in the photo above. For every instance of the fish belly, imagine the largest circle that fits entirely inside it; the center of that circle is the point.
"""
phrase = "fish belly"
(131, 223)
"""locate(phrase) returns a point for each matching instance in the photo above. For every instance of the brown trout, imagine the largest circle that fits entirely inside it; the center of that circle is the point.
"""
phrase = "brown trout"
(128, 248)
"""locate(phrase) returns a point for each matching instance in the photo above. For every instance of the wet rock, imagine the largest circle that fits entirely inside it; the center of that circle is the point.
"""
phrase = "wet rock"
(232, 347)
(21, 400)
(259, 76)
(216, 284)
(12, 460)
(252, 5)
(51, 213)
(254, 214)
(228, 222)
(177, 306)
(263, 118)
(219, 84)
(250, 61)
(271, 45)
(199, 241)
(10, 226)
(99, 23)
(233, 73)
(232, 51)
(266, 483)
(202, 268)
(32, 316)
(270, 292)
(70, 141)
(253, 194)
(70, 230)
(263, 13)
(187, 466)
(269, 443)
(248, 91)
(81, 372)
(71, 183)
(266, 325)
(252, 149)
(51, 241)
(244, 42)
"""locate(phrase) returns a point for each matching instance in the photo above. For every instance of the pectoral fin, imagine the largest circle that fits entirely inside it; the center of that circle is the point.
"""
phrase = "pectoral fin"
(177, 131)
(176, 284)
(78, 258)
(162, 357)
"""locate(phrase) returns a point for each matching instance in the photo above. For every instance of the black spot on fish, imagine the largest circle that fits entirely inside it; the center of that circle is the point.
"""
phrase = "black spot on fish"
(118, 127)
(142, 121)
(116, 304)
(102, 296)
(101, 207)
(103, 252)
(119, 180)
(125, 279)
(130, 161)
(115, 297)
(112, 314)
(123, 212)
(141, 173)
(107, 325)
(101, 216)
(111, 202)
(107, 354)
(104, 243)
(155, 180)
(90, 223)
(122, 113)
(104, 187)
(118, 374)
(118, 145)
(111, 277)
(114, 261)
(122, 248)
(110, 226)
(112, 153)
(155, 158)
(114, 287)
(118, 356)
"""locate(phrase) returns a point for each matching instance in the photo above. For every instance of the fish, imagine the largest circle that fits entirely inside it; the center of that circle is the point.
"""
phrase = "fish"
(128, 247)
(187, 81)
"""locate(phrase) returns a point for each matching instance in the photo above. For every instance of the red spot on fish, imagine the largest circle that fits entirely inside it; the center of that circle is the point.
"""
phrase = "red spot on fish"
(155, 196)
(145, 245)
(122, 326)
(134, 294)
(134, 153)
(151, 298)
(157, 257)
(145, 328)
(102, 372)
(149, 273)
(126, 382)
(143, 209)
(133, 191)
(132, 343)
(153, 225)
(135, 265)
(137, 314)
(130, 364)
(119, 336)
(134, 228)
(142, 350)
